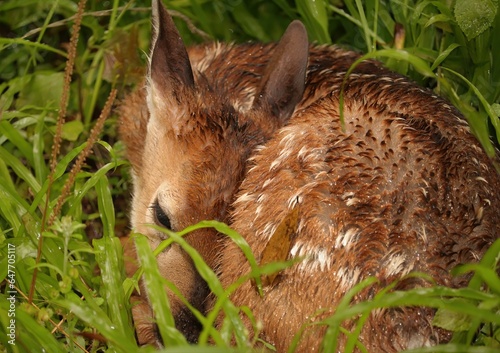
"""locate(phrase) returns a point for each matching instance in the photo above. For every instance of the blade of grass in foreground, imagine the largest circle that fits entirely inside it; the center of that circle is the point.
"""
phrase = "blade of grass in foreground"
(96, 318)
(154, 284)
(237, 239)
(489, 260)
(213, 282)
(109, 257)
(484, 137)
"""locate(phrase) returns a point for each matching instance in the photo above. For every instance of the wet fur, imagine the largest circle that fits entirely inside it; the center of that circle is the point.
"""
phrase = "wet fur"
(404, 187)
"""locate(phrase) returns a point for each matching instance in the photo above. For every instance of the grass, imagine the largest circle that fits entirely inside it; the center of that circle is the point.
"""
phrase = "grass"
(62, 208)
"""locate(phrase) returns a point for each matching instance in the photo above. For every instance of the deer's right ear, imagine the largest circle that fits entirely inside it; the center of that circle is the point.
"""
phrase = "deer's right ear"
(169, 66)
(169, 73)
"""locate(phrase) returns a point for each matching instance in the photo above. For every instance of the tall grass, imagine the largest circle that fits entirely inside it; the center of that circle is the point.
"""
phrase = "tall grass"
(61, 259)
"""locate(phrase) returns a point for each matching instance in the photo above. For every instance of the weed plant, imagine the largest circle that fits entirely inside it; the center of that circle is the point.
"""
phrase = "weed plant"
(64, 182)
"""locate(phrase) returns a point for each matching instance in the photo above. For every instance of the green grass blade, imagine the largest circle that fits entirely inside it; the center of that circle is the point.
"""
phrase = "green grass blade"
(248, 23)
(39, 164)
(231, 312)
(106, 207)
(489, 260)
(97, 318)
(314, 13)
(19, 169)
(19, 41)
(93, 181)
(486, 106)
(443, 55)
(330, 340)
(156, 291)
(110, 260)
(61, 168)
(17, 139)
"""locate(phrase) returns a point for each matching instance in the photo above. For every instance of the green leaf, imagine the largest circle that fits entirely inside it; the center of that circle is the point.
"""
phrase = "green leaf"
(474, 17)
(43, 90)
(71, 130)
(495, 107)
(452, 320)
(59, 172)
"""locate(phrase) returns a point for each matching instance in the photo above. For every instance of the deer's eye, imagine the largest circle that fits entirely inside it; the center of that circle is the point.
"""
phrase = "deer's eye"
(161, 217)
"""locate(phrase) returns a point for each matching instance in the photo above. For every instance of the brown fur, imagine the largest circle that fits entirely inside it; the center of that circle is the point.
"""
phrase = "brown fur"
(405, 188)
(235, 135)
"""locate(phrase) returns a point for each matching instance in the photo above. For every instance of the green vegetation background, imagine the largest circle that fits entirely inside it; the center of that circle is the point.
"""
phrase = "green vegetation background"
(452, 47)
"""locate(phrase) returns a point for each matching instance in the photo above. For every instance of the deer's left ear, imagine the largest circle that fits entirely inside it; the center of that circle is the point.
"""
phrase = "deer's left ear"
(283, 82)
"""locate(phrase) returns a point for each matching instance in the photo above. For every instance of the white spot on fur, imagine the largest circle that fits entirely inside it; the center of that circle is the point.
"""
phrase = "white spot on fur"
(349, 199)
(269, 230)
(352, 201)
(294, 200)
(346, 238)
(210, 54)
(258, 211)
(418, 341)
(316, 258)
(261, 198)
(245, 101)
(267, 182)
(395, 265)
(245, 197)
(284, 154)
(287, 144)
(304, 152)
(348, 276)
(482, 179)
(423, 234)
(311, 155)
(322, 257)
(291, 133)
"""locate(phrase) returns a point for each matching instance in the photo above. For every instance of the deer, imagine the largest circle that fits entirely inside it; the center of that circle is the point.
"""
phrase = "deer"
(386, 181)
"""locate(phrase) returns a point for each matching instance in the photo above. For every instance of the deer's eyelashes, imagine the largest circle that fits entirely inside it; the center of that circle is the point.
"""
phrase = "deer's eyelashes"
(160, 217)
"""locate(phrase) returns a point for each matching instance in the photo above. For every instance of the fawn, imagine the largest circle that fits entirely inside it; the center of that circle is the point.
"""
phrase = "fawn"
(246, 134)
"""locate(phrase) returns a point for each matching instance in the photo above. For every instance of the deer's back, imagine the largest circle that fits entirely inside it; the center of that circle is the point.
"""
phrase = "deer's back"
(402, 187)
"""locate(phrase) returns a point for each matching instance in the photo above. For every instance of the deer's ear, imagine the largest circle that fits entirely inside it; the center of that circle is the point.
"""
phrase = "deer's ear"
(283, 82)
(170, 77)
(169, 68)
